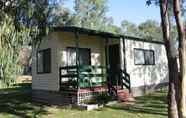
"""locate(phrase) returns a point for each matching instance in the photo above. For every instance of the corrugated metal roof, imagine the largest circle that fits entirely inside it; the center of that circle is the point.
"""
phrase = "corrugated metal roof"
(101, 33)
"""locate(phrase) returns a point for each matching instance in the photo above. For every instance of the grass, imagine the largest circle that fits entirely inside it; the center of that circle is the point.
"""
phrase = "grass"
(19, 105)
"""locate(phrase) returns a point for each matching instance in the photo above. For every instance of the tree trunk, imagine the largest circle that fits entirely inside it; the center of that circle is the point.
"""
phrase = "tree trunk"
(173, 88)
(182, 56)
(172, 61)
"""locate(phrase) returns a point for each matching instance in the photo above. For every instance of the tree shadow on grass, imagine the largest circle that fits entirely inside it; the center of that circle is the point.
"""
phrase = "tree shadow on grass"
(151, 104)
(19, 104)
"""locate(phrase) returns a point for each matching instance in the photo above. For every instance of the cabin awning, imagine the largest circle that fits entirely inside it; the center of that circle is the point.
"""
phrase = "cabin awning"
(101, 33)
(87, 31)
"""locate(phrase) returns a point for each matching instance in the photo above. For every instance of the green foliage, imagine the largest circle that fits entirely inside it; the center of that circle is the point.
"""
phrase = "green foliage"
(22, 22)
(150, 30)
(108, 26)
(89, 13)
(169, 5)
(60, 16)
(10, 43)
(129, 28)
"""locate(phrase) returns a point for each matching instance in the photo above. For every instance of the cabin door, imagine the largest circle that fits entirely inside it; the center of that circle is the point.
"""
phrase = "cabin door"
(114, 63)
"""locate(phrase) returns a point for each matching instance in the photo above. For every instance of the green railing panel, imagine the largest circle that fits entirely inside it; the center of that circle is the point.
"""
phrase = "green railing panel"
(85, 75)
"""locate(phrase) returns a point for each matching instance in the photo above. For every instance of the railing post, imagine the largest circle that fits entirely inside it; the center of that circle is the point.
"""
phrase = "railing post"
(77, 56)
(129, 85)
(122, 60)
(107, 64)
(59, 78)
(124, 55)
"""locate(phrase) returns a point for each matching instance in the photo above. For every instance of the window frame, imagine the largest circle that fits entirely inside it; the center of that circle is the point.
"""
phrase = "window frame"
(144, 51)
(89, 50)
(50, 64)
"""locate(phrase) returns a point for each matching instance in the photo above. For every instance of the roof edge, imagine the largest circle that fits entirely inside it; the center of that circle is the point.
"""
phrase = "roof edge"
(101, 33)
(143, 40)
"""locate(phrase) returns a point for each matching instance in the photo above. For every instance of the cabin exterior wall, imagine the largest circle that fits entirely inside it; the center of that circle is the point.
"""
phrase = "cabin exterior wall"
(46, 81)
(145, 78)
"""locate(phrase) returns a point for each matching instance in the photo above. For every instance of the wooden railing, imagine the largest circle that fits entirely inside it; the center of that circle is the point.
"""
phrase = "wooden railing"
(122, 79)
(125, 77)
(73, 77)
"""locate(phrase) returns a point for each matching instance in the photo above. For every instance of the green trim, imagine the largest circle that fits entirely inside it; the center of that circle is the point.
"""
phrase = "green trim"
(86, 31)
(77, 55)
(143, 40)
(124, 55)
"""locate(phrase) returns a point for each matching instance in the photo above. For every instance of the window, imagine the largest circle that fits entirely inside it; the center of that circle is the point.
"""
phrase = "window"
(44, 61)
(149, 57)
(84, 56)
(139, 57)
(144, 57)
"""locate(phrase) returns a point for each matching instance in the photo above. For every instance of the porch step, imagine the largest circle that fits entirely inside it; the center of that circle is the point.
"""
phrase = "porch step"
(125, 96)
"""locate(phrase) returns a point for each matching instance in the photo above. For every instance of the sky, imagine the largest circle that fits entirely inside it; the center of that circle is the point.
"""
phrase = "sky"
(135, 11)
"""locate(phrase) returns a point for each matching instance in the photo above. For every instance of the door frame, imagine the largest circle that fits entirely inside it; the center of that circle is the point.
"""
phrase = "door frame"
(118, 61)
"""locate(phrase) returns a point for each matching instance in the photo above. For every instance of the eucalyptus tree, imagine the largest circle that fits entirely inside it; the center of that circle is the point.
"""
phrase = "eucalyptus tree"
(129, 28)
(177, 8)
(109, 26)
(22, 22)
(60, 16)
(90, 13)
(10, 40)
(151, 30)
(177, 83)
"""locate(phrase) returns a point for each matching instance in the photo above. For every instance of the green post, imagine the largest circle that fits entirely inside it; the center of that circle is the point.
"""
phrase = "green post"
(124, 55)
(77, 56)
(107, 63)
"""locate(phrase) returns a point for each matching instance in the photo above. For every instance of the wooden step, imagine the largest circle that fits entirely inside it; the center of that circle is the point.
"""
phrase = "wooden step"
(125, 96)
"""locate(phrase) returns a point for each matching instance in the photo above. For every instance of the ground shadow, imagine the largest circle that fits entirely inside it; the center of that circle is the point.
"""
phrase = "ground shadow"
(17, 102)
(150, 104)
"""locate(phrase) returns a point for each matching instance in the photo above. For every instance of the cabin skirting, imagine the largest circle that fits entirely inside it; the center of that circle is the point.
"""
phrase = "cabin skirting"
(90, 93)
(67, 97)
